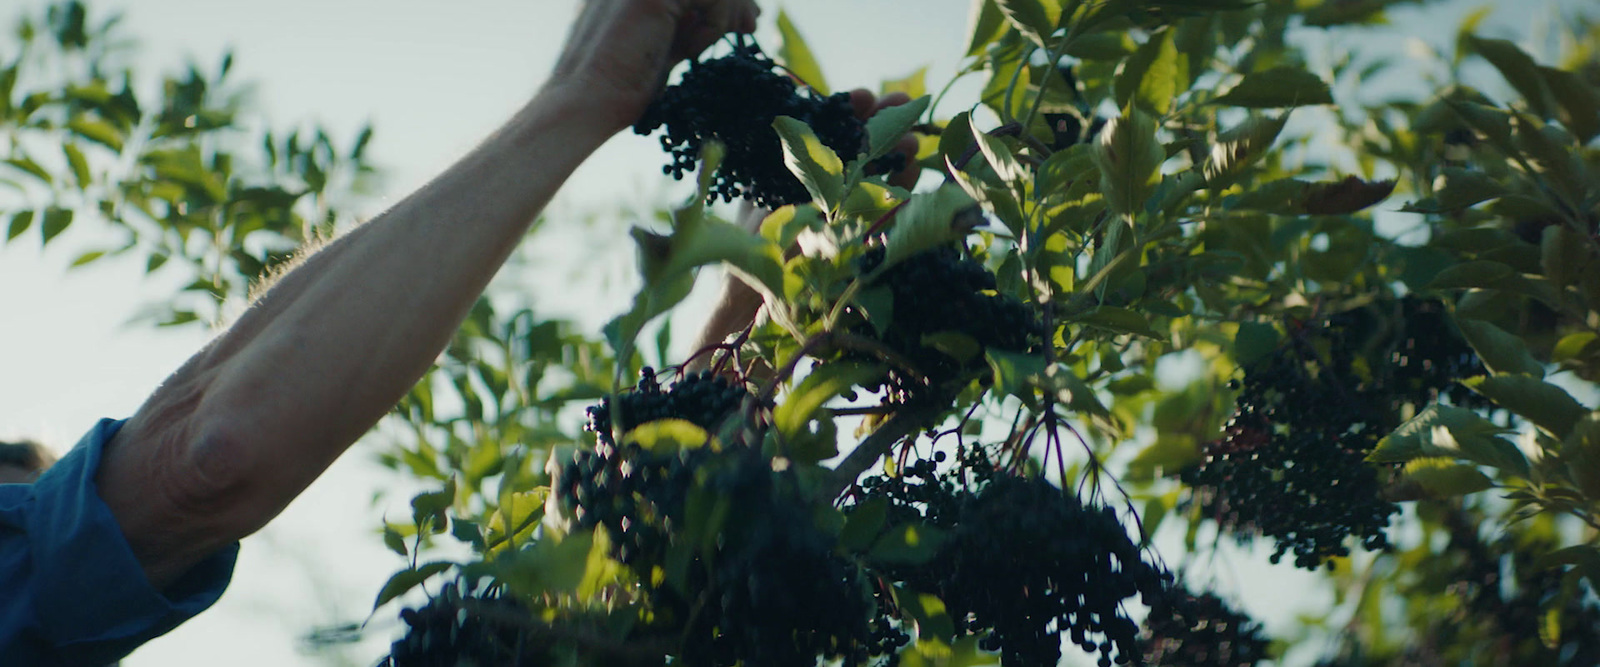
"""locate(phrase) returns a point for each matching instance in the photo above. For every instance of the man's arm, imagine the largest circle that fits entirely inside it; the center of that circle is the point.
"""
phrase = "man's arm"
(245, 425)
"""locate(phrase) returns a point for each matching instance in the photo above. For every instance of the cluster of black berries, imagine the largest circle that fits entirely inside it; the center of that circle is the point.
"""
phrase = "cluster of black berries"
(1188, 630)
(938, 291)
(734, 99)
(1025, 563)
(703, 399)
(770, 590)
(1291, 462)
(462, 627)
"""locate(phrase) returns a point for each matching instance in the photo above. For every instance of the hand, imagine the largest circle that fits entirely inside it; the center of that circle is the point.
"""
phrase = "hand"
(866, 106)
(618, 53)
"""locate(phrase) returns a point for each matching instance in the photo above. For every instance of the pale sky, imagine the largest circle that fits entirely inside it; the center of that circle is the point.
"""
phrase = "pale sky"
(434, 77)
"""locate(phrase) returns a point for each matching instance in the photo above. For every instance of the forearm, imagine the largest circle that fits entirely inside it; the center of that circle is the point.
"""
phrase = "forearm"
(256, 417)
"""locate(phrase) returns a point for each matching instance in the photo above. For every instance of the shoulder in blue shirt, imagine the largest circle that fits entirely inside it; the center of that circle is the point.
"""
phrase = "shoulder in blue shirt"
(71, 591)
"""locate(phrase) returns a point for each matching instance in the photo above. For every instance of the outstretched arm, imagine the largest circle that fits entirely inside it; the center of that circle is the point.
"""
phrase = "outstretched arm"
(245, 425)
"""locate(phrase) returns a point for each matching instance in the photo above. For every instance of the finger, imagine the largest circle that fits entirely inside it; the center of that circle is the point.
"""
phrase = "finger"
(863, 103)
(907, 176)
(892, 100)
(749, 11)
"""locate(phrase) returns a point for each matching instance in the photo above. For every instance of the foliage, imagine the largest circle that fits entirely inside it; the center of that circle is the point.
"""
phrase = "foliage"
(160, 168)
(1404, 400)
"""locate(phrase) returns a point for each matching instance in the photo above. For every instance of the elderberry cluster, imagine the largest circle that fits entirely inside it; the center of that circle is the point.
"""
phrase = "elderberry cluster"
(940, 291)
(1188, 630)
(703, 399)
(733, 100)
(1024, 563)
(1291, 462)
(770, 590)
(461, 627)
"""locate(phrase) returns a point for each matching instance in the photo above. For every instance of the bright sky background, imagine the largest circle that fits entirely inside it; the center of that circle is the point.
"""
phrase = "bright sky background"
(435, 77)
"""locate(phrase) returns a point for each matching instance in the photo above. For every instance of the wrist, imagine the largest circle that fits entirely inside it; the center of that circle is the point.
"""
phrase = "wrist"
(587, 109)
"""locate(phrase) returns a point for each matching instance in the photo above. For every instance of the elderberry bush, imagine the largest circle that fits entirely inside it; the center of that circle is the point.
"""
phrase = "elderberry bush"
(771, 590)
(734, 99)
(1291, 463)
(1024, 563)
(940, 291)
(1189, 630)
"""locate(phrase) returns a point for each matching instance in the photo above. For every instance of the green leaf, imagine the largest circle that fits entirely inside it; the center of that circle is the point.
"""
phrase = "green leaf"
(1240, 147)
(1129, 157)
(886, 127)
(1475, 274)
(395, 541)
(1031, 18)
(31, 167)
(1444, 478)
(20, 221)
(987, 25)
(863, 524)
(1254, 341)
(796, 55)
(78, 164)
(933, 620)
(1151, 78)
(428, 509)
(468, 532)
(407, 579)
(1549, 407)
(1572, 346)
(56, 220)
(816, 165)
(87, 257)
(1580, 451)
(1277, 88)
(1576, 101)
(1519, 70)
(1456, 188)
(914, 85)
(1118, 320)
(664, 436)
(907, 544)
(927, 220)
(1502, 352)
(1014, 372)
(825, 382)
(97, 131)
(1449, 431)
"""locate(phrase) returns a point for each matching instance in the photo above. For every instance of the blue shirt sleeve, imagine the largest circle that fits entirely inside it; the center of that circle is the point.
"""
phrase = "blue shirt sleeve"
(71, 591)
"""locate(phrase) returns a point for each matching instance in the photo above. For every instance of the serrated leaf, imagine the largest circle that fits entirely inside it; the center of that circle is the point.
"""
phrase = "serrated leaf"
(1277, 88)
(1151, 77)
(1129, 158)
(927, 220)
(1240, 147)
(811, 161)
(1444, 478)
(885, 128)
(1518, 68)
(824, 383)
(986, 23)
(1030, 17)
(1502, 352)
(796, 55)
(1549, 407)
(1449, 431)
